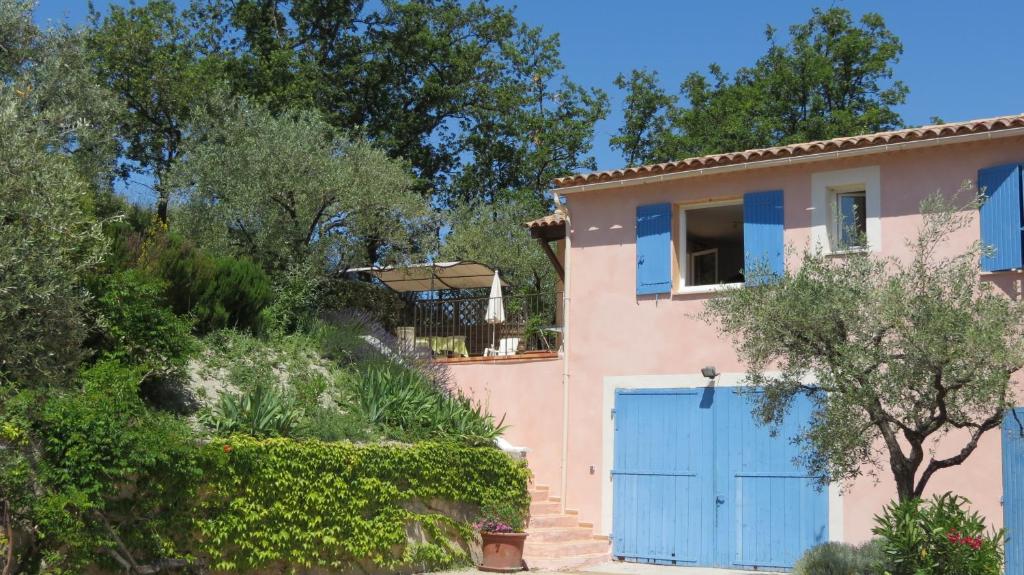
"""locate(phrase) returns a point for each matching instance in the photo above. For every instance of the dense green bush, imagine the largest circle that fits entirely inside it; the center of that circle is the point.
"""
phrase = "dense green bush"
(841, 559)
(938, 537)
(136, 326)
(219, 291)
(113, 470)
(296, 300)
(279, 502)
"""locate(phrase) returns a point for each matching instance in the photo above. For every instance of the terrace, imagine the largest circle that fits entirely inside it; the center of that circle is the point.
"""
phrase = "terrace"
(451, 312)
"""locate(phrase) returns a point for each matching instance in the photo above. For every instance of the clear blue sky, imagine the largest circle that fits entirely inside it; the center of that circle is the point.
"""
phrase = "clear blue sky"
(962, 59)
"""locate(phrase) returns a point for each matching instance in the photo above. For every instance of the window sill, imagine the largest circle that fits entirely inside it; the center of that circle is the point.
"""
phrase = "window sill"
(691, 290)
(849, 252)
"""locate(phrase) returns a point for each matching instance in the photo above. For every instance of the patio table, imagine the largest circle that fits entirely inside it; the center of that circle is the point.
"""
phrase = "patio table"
(440, 345)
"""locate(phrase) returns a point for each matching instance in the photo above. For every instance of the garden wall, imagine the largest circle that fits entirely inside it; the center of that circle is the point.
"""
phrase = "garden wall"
(535, 425)
(281, 504)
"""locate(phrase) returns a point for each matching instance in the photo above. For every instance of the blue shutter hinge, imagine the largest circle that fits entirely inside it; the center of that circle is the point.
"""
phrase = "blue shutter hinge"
(613, 413)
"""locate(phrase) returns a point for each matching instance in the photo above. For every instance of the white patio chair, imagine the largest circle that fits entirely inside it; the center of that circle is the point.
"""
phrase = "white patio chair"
(506, 346)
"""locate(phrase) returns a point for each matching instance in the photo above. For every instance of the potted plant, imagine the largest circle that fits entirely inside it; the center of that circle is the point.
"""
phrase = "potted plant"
(502, 537)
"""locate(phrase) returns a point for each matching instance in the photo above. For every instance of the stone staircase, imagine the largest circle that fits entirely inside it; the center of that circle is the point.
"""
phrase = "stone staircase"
(559, 540)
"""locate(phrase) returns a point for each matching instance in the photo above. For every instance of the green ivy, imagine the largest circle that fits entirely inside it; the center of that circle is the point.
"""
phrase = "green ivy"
(275, 502)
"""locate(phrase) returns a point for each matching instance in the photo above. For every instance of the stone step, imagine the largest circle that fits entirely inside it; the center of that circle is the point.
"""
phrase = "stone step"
(565, 563)
(550, 534)
(565, 548)
(544, 521)
(543, 507)
(539, 495)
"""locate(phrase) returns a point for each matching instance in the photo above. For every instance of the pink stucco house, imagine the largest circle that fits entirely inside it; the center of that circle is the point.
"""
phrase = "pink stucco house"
(625, 436)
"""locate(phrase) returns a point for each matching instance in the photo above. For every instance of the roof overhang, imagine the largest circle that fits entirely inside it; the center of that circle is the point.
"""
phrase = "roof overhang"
(432, 276)
(550, 228)
(942, 135)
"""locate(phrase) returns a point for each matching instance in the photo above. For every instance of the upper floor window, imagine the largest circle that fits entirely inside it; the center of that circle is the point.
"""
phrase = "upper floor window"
(710, 244)
(851, 220)
(715, 243)
(846, 210)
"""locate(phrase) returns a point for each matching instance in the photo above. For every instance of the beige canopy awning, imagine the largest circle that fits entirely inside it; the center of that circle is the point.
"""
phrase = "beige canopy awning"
(433, 276)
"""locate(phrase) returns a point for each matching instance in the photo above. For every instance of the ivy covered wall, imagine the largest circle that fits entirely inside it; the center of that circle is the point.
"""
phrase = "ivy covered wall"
(280, 503)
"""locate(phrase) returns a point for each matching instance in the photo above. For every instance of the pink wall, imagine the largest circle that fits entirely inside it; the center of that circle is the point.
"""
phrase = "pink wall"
(613, 332)
(528, 394)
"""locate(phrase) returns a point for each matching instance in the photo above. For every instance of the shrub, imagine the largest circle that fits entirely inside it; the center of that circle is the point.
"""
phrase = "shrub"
(261, 412)
(841, 559)
(135, 324)
(405, 405)
(938, 537)
(219, 291)
(279, 502)
(113, 469)
(296, 300)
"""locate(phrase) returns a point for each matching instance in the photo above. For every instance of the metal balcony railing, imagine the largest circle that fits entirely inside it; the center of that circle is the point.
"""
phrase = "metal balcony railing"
(458, 327)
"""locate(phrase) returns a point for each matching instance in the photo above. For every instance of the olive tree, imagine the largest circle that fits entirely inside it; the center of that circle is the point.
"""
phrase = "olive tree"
(50, 158)
(898, 354)
(289, 189)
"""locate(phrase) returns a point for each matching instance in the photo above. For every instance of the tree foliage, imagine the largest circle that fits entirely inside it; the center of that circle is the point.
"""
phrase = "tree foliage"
(153, 59)
(49, 239)
(645, 118)
(493, 233)
(833, 78)
(451, 87)
(896, 353)
(290, 190)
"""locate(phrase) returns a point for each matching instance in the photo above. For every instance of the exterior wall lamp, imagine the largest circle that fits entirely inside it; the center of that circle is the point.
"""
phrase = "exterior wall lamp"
(709, 372)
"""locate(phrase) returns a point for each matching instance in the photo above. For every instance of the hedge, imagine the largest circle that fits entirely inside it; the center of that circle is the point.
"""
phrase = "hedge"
(287, 503)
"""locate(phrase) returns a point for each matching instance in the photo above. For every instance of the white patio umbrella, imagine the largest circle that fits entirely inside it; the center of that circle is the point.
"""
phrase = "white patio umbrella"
(495, 307)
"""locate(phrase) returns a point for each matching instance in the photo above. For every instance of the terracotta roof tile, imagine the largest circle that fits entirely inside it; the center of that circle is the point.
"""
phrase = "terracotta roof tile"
(803, 149)
(548, 221)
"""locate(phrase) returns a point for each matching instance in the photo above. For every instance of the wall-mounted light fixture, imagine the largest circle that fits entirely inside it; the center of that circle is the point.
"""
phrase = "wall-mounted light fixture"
(709, 372)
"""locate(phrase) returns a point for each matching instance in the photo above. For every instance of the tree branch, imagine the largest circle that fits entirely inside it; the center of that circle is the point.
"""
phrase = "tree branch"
(936, 464)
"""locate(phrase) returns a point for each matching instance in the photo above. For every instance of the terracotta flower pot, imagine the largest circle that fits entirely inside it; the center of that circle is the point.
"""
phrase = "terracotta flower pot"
(503, 552)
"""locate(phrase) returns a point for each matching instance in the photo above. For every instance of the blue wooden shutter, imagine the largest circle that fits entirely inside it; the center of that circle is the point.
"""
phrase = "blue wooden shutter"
(763, 242)
(653, 249)
(1001, 217)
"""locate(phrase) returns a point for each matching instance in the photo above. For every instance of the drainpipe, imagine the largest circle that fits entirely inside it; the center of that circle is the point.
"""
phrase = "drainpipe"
(563, 488)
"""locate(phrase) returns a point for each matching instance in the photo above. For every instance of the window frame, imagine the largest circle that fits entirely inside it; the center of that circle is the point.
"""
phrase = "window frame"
(693, 267)
(837, 217)
(825, 186)
(683, 283)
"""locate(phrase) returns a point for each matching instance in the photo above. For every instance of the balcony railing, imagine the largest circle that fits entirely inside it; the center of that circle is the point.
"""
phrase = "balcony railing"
(453, 328)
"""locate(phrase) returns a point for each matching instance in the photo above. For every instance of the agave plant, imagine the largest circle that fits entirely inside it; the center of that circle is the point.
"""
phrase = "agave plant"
(262, 412)
(405, 404)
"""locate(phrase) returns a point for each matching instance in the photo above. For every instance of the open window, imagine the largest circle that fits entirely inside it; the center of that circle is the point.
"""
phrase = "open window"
(710, 245)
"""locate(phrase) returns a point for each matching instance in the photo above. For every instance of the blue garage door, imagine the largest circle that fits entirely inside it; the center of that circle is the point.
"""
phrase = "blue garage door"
(1013, 489)
(697, 482)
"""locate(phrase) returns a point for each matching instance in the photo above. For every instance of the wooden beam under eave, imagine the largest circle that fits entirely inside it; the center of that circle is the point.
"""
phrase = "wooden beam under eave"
(551, 256)
(548, 233)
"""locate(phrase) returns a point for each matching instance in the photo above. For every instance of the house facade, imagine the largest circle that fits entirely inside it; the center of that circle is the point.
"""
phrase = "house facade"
(625, 431)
